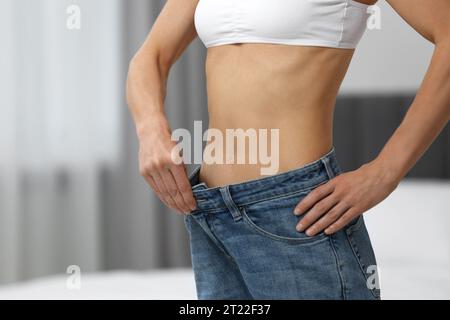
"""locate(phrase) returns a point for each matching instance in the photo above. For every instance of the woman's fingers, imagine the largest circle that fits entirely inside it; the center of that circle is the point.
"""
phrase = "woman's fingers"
(161, 164)
(327, 219)
(347, 217)
(174, 193)
(151, 181)
(165, 194)
(175, 202)
(318, 210)
(154, 185)
(331, 206)
(170, 182)
(313, 197)
(180, 176)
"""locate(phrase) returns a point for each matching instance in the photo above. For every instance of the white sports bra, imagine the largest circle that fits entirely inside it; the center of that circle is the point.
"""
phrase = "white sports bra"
(325, 23)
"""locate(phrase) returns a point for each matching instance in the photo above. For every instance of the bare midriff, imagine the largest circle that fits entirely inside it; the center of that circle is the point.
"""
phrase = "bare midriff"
(288, 88)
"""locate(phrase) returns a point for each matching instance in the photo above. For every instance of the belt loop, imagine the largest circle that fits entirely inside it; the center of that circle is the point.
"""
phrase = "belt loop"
(226, 196)
(326, 163)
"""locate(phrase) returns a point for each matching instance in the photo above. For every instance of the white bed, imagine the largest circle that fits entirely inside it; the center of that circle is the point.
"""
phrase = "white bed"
(409, 233)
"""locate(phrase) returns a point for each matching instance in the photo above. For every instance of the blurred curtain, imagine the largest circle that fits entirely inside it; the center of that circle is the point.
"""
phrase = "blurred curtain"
(70, 192)
(59, 128)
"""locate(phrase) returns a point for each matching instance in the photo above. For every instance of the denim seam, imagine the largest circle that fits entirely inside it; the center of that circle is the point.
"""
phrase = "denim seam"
(227, 254)
(280, 196)
(316, 164)
(295, 241)
(357, 256)
(186, 223)
(232, 207)
(221, 248)
(355, 226)
(339, 268)
(208, 211)
(216, 241)
(285, 195)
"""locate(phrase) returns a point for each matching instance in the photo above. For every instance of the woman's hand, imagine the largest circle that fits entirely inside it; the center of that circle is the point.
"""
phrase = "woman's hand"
(334, 204)
(163, 171)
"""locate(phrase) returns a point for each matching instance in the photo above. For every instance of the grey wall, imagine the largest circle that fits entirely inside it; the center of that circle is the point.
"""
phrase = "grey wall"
(390, 60)
(363, 124)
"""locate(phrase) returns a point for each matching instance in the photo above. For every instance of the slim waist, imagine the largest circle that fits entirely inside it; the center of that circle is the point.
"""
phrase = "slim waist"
(244, 193)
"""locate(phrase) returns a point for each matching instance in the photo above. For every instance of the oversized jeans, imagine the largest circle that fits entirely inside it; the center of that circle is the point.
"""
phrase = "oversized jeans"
(244, 244)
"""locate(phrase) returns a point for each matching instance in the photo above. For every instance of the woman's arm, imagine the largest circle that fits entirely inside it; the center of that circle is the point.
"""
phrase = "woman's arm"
(334, 204)
(148, 71)
(430, 111)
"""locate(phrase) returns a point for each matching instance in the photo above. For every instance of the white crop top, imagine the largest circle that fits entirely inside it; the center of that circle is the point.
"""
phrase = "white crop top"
(325, 23)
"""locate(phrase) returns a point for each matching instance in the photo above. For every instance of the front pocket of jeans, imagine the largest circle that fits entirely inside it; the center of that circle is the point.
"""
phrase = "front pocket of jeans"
(359, 240)
(275, 219)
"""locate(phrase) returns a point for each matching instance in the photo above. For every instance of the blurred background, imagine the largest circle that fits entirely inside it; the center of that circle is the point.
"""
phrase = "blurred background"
(70, 191)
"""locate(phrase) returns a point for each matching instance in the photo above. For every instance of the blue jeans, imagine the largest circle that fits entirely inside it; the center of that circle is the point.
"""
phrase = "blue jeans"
(244, 244)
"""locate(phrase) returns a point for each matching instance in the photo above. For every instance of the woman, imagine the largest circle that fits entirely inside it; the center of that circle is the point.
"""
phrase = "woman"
(272, 65)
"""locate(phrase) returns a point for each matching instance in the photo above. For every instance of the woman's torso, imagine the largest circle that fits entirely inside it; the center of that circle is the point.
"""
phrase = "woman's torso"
(257, 86)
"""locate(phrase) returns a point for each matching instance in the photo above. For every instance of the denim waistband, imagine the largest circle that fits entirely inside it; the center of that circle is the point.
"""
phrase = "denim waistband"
(250, 191)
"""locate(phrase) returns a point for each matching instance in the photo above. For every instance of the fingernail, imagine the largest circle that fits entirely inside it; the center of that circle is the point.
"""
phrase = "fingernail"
(299, 227)
(310, 232)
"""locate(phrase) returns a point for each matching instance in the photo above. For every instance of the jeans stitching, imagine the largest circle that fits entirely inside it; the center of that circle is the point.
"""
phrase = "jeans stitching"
(214, 239)
(357, 256)
(356, 225)
(232, 208)
(218, 242)
(339, 268)
(280, 196)
(285, 195)
(305, 241)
